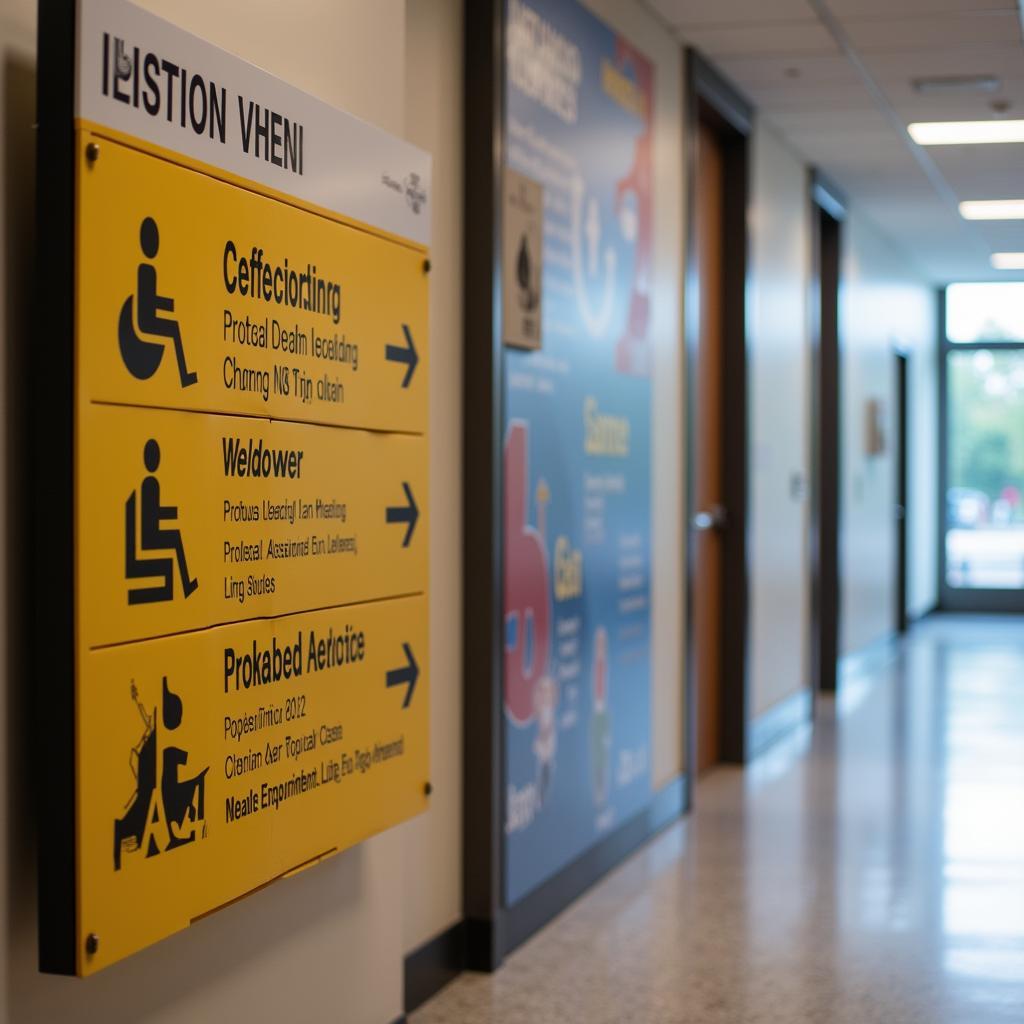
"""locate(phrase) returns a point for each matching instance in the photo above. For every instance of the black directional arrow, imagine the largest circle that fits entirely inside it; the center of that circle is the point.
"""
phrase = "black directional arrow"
(407, 513)
(405, 676)
(404, 354)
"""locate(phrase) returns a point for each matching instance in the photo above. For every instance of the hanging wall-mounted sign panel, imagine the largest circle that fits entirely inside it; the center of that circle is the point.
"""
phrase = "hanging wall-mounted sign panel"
(246, 378)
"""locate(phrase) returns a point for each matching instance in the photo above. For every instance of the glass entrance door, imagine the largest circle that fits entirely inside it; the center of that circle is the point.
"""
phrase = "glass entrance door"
(983, 448)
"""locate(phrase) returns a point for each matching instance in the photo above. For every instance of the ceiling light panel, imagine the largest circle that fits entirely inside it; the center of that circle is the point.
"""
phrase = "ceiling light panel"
(944, 84)
(1008, 260)
(965, 133)
(992, 209)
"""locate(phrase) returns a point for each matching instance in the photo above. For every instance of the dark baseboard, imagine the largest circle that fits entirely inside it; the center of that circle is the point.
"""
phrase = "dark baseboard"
(483, 948)
(534, 911)
(429, 968)
(771, 725)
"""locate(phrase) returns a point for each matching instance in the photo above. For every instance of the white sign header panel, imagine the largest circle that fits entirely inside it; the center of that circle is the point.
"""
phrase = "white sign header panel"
(141, 75)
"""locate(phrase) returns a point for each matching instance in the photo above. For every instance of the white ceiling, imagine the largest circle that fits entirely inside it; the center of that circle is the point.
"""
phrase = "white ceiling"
(835, 79)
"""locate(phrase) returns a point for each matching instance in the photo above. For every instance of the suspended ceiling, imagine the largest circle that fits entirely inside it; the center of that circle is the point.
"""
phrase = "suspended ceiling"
(835, 78)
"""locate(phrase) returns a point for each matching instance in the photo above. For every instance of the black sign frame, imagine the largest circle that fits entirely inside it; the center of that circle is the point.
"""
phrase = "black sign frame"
(52, 486)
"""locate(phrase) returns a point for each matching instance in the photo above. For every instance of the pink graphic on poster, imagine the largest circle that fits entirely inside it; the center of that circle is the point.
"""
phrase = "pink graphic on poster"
(527, 589)
(633, 207)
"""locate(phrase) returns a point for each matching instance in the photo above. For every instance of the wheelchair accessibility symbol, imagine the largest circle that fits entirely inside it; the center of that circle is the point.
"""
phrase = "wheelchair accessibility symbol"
(144, 532)
(141, 317)
(167, 809)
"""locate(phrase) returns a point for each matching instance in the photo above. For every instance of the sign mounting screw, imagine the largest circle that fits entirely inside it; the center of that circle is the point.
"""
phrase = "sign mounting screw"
(428, 788)
(426, 266)
(92, 943)
(92, 152)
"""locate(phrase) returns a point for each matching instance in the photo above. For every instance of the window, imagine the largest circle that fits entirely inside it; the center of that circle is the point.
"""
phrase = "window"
(983, 449)
(984, 312)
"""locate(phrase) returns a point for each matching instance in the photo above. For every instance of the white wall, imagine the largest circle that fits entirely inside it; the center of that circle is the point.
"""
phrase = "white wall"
(328, 944)
(779, 396)
(433, 117)
(884, 304)
(668, 576)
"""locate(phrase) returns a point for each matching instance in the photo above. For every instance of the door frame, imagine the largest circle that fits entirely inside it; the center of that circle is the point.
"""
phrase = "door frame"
(713, 97)
(963, 599)
(902, 370)
(825, 439)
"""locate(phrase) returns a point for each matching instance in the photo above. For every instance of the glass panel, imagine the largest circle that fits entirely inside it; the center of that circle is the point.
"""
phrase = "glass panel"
(985, 312)
(984, 512)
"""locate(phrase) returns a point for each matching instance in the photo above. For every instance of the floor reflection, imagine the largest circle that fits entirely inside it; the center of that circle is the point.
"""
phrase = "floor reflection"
(983, 824)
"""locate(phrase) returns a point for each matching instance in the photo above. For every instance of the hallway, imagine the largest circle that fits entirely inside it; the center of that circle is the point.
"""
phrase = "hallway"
(870, 871)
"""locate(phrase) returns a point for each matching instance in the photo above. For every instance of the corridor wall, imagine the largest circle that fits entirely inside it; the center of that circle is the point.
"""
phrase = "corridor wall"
(779, 396)
(884, 304)
(433, 94)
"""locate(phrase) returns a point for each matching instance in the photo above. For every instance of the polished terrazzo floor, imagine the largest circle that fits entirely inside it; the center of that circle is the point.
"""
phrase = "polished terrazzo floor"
(870, 870)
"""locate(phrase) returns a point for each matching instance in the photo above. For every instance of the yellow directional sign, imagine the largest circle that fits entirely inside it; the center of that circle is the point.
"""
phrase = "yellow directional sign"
(196, 294)
(248, 620)
(189, 521)
(215, 762)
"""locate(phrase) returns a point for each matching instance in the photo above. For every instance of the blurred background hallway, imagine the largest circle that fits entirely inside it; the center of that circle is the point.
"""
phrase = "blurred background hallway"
(869, 871)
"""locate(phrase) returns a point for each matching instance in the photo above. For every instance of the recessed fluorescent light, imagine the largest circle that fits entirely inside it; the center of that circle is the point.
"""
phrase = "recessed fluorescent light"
(965, 133)
(992, 209)
(956, 83)
(1008, 260)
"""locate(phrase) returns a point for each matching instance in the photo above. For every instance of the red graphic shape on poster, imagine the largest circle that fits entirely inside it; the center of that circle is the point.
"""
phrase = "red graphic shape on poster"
(527, 589)
(632, 353)
(600, 674)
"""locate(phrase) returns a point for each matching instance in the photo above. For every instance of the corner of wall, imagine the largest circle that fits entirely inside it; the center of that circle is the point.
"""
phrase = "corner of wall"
(433, 116)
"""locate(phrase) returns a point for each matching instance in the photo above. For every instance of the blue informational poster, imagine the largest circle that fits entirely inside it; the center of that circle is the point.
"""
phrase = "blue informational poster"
(577, 666)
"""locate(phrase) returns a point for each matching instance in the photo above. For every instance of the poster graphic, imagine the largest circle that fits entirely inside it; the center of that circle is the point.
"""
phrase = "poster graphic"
(155, 817)
(577, 446)
(522, 227)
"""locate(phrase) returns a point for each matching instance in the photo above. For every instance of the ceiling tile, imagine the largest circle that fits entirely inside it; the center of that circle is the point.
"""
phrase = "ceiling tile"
(868, 156)
(931, 32)
(889, 8)
(982, 172)
(912, 106)
(770, 70)
(1004, 59)
(826, 123)
(830, 101)
(790, 38)
(1002, 235)
(895, 73)
(688, 13)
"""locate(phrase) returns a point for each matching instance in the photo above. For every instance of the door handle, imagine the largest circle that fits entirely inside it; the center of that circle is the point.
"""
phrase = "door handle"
(713, 518)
